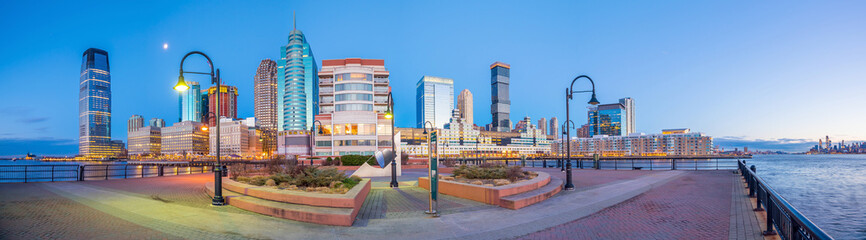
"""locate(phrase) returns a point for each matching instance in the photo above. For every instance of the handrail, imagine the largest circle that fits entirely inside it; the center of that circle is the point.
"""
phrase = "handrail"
(81, 172)
(789, 222)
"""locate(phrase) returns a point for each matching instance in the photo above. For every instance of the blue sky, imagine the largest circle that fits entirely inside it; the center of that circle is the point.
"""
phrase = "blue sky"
(769, 75)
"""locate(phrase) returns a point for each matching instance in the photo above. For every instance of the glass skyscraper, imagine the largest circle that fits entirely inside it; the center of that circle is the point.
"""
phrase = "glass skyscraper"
(190, 103)
(298, 84)
(500, 108)
(265, 103)
(607, 119)
(434, 101)
(94, 106)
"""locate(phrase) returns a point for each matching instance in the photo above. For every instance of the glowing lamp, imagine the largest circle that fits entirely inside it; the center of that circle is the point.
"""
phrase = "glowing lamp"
(181, 85)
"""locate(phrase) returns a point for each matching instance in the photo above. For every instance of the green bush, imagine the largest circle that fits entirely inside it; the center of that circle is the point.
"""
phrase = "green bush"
(358, 160)
(486, 171)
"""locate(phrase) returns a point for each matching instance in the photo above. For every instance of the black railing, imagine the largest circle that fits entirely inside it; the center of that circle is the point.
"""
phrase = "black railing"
(613, 164)
(787, 221)
(74, 172)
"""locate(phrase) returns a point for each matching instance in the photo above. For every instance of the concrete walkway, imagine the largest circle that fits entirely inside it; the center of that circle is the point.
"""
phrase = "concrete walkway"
(176, 207)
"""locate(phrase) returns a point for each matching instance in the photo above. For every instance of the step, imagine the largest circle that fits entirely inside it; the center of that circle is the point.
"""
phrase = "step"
(297, 212)
(525, 199)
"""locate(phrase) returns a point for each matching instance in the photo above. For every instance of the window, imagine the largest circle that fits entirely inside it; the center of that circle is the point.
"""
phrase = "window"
(354, 77)
(354, 107)
(354, 97)
(354, 86)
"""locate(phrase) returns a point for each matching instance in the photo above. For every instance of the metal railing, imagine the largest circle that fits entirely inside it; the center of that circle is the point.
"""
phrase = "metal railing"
(788, 222)
(83, 172)
(614, 164)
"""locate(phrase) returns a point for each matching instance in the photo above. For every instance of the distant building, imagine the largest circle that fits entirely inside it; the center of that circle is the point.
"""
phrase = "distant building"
(185, 138)
(523, 125)
(237, 139)
(134, 123)
(266, 103)
(434, 100)
(297, 84)
(500, 107)
(554, 128)
(157, 122)
(228, 102)
(465, 104)
(145, 141)
(94, 107)
(628, 115)
(583, 131)
(606, 119)
(353, 96)
(461, 140)
(190, 103)
(672, 142)
(542, 125)
(293, 143)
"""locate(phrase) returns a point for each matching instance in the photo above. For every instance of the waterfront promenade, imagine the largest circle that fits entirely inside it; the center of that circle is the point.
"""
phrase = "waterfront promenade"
(606, 205)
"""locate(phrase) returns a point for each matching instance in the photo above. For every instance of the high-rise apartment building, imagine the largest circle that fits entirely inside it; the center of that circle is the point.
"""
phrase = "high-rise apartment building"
(297, 84)
(606, 119)
(157, 122)
(671, 142)
(628, 118)
(144, 141)
(228, 102)
(94, 106)
(237, 137)
(134, 123)
(354, 97)
(185, 138)
(542, 125)
(523, 125)
(434, 100)
(500, 108)
(554, 128)
(266, 103)
(465, 104)
(190, 103)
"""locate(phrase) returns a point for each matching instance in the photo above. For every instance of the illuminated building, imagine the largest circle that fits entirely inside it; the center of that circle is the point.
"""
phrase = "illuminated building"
(94, 107)
(134, 123)
(185, 138)
(465, 104)
(434, 100)
(293, 142)
(462, 140)
(554, 128)
(145, 141)
(297, 80)
(628, 115)
(228, 102)
(238, 138)
(542, 125)
(353, 95)
(672, 142)
(266, 103)
(606, 119)
(190, 103)
(500, 108)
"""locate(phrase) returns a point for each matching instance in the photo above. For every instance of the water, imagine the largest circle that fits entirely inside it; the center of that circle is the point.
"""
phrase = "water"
(38, 171)
(830, 190)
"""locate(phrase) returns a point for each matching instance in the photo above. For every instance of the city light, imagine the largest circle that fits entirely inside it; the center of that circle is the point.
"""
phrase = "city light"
(181, 85)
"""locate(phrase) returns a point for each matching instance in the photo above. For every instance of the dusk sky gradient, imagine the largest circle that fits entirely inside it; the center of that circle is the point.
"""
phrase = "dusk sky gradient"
(769, 75)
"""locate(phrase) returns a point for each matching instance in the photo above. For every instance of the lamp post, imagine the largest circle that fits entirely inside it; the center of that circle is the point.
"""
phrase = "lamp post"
(569, 94)
(432, 176)
(565, 140)
(390, 115)
(313, 139)
(181, 86)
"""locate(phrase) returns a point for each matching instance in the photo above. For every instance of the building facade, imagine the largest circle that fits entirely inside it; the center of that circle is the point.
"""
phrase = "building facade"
(297, 84)
(606, 119)
(157, 122)
(293, 143)
(190, 103)
(94, 106)
(238, 138)
(134, 123)
(187, 138)
(500, 108)
(628, 117)
(542, 125)
(554, 128)
(266, 103)
(145, 141)
(434, 100)
(228, 103)
(354, 97)
(466, 107)
(672, 142)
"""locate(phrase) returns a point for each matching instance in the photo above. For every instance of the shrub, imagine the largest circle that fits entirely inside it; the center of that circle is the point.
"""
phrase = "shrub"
(328, 162)
(274, 165)
(404, 158)
(489, 171)
(358, 160)
(514, 173)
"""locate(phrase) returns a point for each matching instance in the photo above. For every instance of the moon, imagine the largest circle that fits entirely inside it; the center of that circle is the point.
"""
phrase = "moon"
(165, 46)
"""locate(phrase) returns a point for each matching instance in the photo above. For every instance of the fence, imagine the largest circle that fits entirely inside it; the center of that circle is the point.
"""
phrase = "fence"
(75, 172)
(617, 164)
(787, 221)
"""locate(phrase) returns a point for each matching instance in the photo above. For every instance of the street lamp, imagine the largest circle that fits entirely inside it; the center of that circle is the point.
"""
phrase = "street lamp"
(313, 139)
(565, 140)
(569, 94)
(390, 115)
(181, 86)
(430, 174)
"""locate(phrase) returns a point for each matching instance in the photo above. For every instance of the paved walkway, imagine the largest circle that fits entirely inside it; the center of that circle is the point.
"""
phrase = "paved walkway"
(177, 207)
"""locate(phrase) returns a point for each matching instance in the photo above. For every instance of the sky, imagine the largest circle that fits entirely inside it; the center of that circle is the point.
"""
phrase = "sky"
(770, 75)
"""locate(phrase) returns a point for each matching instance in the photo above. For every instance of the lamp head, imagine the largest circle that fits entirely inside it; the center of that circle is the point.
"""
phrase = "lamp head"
(389, 115)
(204, 128)
(425, 131)
(181, 85)
(593, 100)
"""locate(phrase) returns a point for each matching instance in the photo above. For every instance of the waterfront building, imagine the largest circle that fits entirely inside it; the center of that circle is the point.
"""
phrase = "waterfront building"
(266, 103)
(238, 138)
(583, 131)
(606, 119)
(354, 97)
(500, 107)
(228, 102)
(434, 100)
(628, 115)
(189, 101)
(542, 125)
(134, 123)
(554, 128)
(465, 104)
(523, 125)
(671, 142)
(94, 106)
(185, 138)
(293, 143)
(297, 84)
(145, 141)
(157, 122)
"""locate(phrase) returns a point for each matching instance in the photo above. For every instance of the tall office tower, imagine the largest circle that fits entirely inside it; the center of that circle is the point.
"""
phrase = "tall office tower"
(297, 84)
(434, 100)
(500, 107)
(190, 105)
(228, 103)
(606, 119)
(94, 106)
(134, 123)
(157, 122)
(628, 117)
(554, 128)
(354, 98)
(465, 104)
(205, 106)
(266, 103)
(542, 125)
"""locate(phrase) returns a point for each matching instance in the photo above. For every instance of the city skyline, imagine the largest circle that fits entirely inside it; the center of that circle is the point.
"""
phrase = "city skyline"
(778, 116)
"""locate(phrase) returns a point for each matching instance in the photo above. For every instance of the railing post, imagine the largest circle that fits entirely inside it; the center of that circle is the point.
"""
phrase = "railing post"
(106, 172)
(52, 173)
(25, 173)
(770, 210)
(673, 164)
(544, 163)
(80, 172)
(125, 170)
(159, 170)
(142, 171)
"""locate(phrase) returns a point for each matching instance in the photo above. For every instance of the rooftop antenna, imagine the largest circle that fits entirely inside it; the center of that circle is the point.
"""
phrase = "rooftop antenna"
(294, 21)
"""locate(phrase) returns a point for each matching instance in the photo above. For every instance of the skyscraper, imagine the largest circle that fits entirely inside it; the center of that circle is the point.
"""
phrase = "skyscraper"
(554, 127)
(228, 103)
(134, 123)
(606, 119)
(434, 101)
(542, 125)
(500, 107)
(94, 106)
(465, 104)
(628, 118)
(157, 122)
(298, 84)
(266, 103)
(190, 103)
